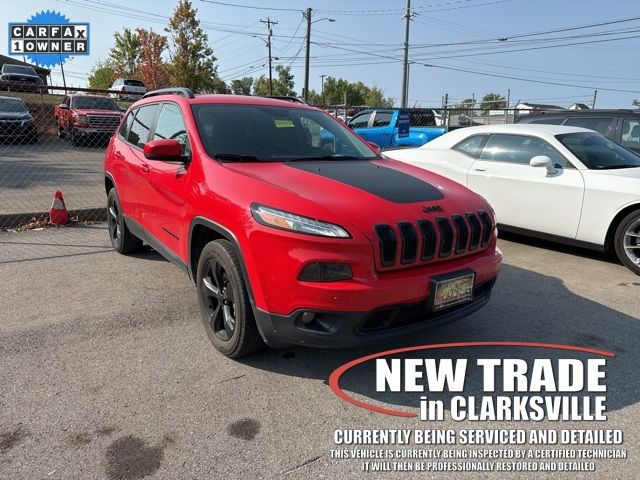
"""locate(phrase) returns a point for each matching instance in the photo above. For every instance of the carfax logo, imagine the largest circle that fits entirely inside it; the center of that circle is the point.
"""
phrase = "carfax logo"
(48, 38)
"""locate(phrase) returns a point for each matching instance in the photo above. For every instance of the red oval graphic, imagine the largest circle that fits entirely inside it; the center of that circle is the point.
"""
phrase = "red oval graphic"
(334, 378)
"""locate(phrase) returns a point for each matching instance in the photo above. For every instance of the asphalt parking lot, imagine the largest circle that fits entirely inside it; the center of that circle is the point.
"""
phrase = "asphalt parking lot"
(107, 373)
(31, 173)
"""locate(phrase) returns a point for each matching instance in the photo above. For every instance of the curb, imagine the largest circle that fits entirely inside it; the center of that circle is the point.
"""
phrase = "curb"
(16, 220)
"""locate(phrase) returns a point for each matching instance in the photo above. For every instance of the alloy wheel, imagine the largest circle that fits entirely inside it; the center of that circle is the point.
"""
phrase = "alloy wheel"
(220, 300)
(632, 241)
(113, 222)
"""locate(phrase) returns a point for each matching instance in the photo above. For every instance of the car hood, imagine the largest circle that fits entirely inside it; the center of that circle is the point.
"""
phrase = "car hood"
(93, 111)
(619, 172)
(365, 193)
(15, 116)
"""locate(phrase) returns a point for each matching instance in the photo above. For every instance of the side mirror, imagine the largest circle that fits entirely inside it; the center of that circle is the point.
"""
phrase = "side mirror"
(544, 161)
(375, 146)
(164, 150)
(63, 106)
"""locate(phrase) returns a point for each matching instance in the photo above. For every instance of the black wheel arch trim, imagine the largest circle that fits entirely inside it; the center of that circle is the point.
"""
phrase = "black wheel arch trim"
(225, 233)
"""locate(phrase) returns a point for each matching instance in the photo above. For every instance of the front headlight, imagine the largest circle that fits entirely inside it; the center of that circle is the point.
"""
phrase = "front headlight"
(296, 223)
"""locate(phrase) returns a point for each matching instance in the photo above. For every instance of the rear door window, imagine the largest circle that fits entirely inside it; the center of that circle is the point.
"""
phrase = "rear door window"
(382, 119)
(141, 125)
(630, 133)
(600, 125)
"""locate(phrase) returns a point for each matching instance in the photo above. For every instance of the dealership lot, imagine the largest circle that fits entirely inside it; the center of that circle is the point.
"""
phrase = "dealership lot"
(106, 371)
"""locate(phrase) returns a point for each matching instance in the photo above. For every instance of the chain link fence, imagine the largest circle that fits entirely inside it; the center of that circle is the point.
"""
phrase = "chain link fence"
(45, 147)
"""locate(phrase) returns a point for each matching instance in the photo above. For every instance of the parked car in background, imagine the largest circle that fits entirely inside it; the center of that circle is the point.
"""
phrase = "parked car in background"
(19, 78)
(288, 243)
(87, 118)
(16, 123)
(621, 126)
(128, 89)
(382, 127)
(566, 184)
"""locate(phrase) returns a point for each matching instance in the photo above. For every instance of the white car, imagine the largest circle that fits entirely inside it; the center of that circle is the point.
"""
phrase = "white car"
(566, 184)
(128, 88)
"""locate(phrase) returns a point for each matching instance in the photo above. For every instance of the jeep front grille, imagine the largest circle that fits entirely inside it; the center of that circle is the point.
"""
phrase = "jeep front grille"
(408, 243)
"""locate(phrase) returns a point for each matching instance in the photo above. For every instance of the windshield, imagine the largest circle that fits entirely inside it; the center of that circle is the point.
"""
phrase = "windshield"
(134, 83)
(18, 69)
(93, 103)
(265, 133)
(12, 105)
(598, 152)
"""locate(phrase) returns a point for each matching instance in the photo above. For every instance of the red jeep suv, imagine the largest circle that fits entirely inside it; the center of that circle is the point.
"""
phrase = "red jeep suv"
(290, 239)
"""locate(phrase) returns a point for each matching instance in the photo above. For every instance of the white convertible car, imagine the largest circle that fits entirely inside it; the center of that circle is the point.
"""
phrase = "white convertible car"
(566, 184)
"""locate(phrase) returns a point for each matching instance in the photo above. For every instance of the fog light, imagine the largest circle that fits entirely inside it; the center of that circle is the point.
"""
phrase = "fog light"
(307, 317)
(326, 272)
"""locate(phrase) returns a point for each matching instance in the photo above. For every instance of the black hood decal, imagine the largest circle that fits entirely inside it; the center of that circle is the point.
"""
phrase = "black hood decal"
(383, 182)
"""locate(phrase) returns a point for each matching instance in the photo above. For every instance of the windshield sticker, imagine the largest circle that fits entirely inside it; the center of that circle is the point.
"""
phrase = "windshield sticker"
(284, 123)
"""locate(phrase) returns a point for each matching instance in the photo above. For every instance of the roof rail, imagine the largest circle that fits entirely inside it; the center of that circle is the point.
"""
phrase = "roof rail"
(287, 98)
(185, 92)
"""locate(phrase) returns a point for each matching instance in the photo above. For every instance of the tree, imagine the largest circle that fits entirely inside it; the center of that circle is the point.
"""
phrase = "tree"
(101, 75)
(283, 83)
(493, 101)
(153, 70)
(125, 53)
(192, 60)
(636, 102)
(357, 94)
(242, 86)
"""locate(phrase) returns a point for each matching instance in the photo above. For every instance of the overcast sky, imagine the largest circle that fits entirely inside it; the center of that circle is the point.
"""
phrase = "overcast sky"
(365, 43)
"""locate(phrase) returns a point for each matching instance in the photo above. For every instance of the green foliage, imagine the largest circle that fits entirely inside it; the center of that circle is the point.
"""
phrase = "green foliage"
(357, 94)
(102, 75)
(125, 53)
(242, 86)
(636, 102)
(192, 61)
(283, 83)
(493, 101)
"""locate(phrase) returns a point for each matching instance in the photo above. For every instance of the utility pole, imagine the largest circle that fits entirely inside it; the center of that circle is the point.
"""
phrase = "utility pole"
(508, 97)
(64, 80)
(268, 22)
(405, 61)
(595, 95)
(322, 89)
(307, 16)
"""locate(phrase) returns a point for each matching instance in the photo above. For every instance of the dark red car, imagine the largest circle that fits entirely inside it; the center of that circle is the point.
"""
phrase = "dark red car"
(87, 119)
(289, 242)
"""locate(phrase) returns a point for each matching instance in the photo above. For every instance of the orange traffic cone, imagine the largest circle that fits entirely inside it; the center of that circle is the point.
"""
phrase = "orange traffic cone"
(58, 214)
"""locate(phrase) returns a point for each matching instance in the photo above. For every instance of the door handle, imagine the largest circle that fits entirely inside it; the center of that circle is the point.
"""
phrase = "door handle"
(480, 169)
(145, 168)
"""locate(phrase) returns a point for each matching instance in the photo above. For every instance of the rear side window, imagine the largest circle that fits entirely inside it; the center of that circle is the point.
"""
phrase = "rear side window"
(421, 119)
(170, 125)
(472, 146)
(126, 125)
(134, 83)
(600, 125)
(547, 121)
(631, 133)
(141, 125)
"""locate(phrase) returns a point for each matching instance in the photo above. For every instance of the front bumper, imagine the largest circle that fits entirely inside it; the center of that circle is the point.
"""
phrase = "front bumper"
(331, 329)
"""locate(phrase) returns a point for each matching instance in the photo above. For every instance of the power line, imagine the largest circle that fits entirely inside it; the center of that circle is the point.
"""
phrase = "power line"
(252, 7)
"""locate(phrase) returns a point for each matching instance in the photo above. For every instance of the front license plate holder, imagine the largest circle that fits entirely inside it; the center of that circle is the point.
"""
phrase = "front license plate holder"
(451, 289)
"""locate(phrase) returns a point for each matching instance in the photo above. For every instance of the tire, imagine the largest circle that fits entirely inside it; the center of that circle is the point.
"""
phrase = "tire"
(75, 140)
(224, 303)
(122, 240)
(627, 241)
